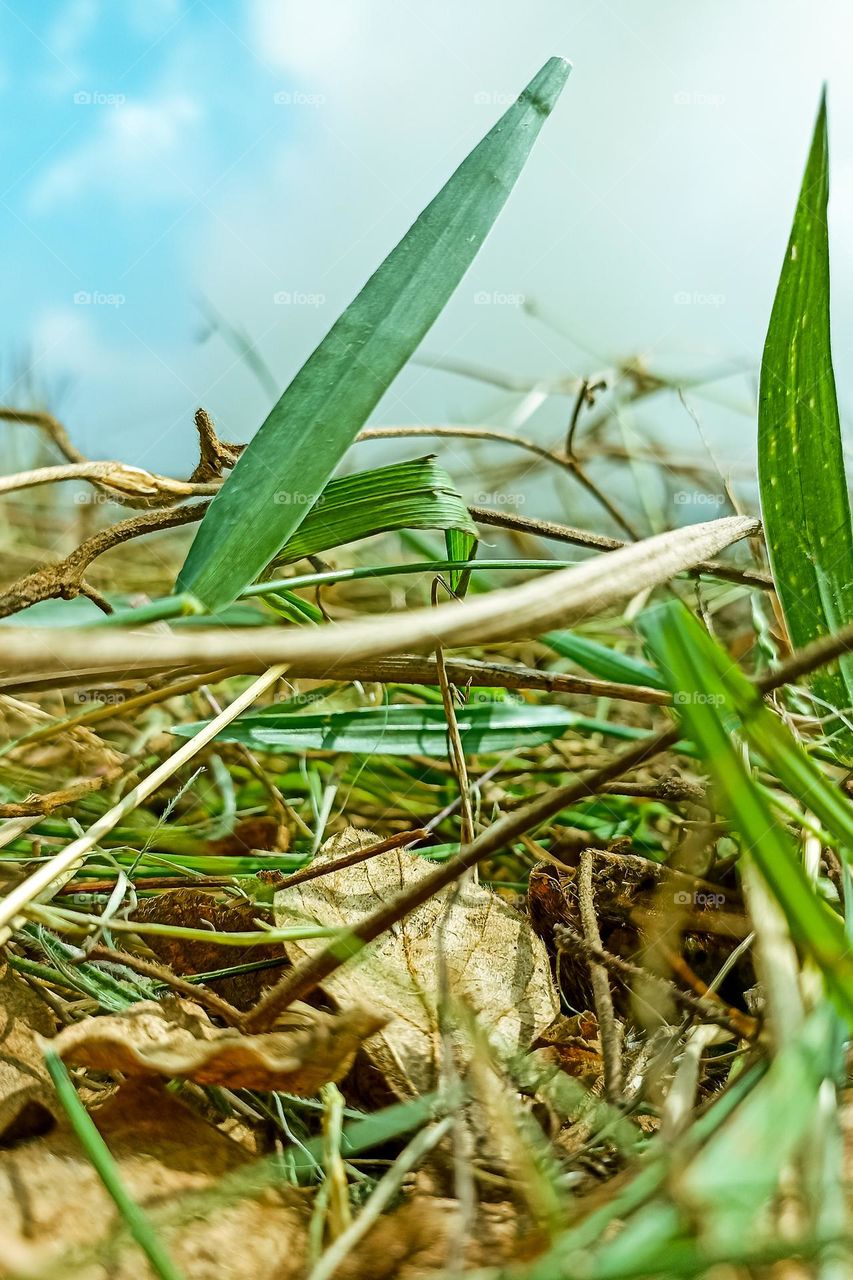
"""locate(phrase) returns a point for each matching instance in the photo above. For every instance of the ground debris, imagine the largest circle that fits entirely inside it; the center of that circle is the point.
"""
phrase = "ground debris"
(176, 1039)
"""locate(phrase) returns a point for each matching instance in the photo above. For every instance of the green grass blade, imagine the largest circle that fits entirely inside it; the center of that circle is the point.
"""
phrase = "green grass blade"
(461, 545)
(319, 415)
(804, 499)
(734, 1176)
(602, 661)
(102, 1160)
(702, 705)
(405, 495)
(769, 737)
(397, 730)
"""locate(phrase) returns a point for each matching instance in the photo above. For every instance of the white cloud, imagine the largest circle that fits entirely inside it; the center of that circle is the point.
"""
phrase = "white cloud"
(315, 38)
(138, 152)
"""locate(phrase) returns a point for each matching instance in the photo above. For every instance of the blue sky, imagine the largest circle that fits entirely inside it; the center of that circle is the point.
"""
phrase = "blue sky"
(123, 124)
(263, 156)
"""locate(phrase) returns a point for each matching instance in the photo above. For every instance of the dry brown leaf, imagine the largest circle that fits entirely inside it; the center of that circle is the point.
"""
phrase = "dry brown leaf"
(175, 1038)
(421, 1238)
(27, 1097)
(247, 836)
(52, 1200)
(495, 963)
(190, 955)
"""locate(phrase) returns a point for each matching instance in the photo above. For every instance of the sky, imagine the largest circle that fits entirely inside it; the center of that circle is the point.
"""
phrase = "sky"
(168, 162)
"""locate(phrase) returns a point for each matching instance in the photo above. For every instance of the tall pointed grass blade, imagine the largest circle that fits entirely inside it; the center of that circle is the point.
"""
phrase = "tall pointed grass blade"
(804, 500)
(319, 415)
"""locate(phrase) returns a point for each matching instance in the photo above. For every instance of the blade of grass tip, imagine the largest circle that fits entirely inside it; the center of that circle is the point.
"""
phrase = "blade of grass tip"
(285, 467)
(804, 500)
(108, 1171)
(461, 546)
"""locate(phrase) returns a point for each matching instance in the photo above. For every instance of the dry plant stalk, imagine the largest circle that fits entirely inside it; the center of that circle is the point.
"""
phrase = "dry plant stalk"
(521, 612)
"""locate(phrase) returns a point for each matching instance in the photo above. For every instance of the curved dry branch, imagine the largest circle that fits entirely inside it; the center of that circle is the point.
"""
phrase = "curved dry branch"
(65, 579)
(524, 611)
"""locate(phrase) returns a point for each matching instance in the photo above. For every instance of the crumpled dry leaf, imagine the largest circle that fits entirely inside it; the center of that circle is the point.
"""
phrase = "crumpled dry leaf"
(27, 1098)
(175, 1038)
(52, 1200)
(495, 962)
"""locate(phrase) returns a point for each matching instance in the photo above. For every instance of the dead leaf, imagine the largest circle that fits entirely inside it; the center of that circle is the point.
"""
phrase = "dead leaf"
(248, 835)
(175, 1038)
(422, 1237)
(27, 1097)
(52, 1200)
(495, 963)
(224, 915)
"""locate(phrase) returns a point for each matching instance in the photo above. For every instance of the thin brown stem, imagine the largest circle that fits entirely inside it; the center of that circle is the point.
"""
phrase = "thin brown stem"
(608, 1026)
(161, 973)
(600, 542)
(315, 871)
